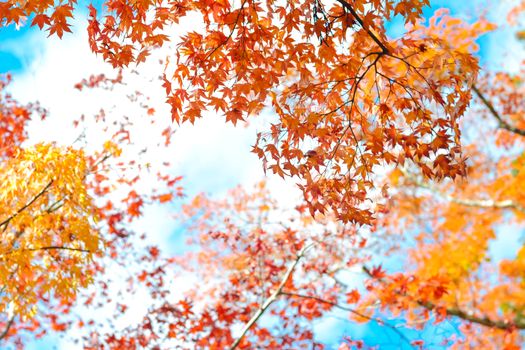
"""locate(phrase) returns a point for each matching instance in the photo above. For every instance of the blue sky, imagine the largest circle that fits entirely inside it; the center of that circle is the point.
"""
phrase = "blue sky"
(36, 63)
(9, 62)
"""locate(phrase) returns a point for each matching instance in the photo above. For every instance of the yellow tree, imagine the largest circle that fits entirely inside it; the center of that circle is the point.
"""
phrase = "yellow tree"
(58, 218)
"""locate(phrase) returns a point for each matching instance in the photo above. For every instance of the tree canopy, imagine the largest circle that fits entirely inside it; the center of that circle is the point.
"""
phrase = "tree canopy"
(404, 147)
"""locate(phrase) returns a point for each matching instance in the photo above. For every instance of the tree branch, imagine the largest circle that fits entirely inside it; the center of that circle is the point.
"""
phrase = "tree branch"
(478, 203)
(467, 316)
(484, 321)
(327, 302)
(7, 328)
(353, 311)
(6, 222)
(273, 297)
(502, 123)
(363, 25)
(47, 248)
(487, 203)
(58, 248)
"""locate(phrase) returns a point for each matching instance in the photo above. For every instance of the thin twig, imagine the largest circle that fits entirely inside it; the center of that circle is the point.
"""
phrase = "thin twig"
(353, 311)
(51, 248)
(7, 328)
(6, 222)
(477, 203)
(484, 321)
(502, 123)
(273, 297)
(363, 25)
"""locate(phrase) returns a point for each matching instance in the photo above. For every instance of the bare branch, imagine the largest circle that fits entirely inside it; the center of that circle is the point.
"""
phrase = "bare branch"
(478, 203)
(502, 123)
(353, 311)
(7, 328)
(273, 297)
(487, 203)
(334, 304)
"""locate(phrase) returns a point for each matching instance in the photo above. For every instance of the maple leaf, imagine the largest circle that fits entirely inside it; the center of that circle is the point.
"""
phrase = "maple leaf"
(377, 272)
(41, 20)
(163, 198)
(234, 116)
(353, 296)
(343, 112)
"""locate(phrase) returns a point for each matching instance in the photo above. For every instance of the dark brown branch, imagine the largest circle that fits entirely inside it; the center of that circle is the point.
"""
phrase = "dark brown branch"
(230, 35)
(58, 248)
(7, 328)
(502, 123)
(484, 321)
(49, 248)
(363, 25)
(60, 202)
(6, 222)
(271, 299)
(456, 312)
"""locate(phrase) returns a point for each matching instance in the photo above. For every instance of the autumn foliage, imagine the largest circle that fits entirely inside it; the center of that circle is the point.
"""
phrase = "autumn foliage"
(408, 153)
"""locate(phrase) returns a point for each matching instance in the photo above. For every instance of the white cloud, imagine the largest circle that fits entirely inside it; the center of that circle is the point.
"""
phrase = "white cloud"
(211, 155)
(504, 51)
